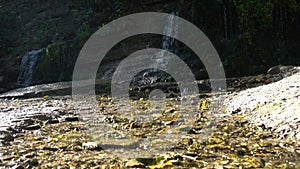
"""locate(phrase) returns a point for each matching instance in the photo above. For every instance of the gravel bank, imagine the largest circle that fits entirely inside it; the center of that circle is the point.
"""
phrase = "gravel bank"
(274, 106)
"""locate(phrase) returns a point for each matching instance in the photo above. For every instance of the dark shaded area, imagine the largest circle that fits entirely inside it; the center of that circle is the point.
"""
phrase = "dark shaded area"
(250, 36)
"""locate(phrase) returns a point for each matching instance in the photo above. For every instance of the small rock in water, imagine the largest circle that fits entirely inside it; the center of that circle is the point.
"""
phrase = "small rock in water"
(91, 146)
(12, 130)
(134, 164)
(31, 162)
(279, 69)
(37, 133)
(6, 136)
(274, 70)
(71, 119)
(52, 121)
(32, 127)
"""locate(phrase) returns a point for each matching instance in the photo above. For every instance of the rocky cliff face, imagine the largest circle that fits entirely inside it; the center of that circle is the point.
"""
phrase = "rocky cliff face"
(62, 27)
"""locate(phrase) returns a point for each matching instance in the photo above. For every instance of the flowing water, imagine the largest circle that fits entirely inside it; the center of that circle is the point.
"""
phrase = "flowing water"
(171, 29)
(27, 67)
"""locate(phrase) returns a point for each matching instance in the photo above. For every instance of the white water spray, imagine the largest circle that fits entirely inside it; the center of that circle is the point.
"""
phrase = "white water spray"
(27, 67)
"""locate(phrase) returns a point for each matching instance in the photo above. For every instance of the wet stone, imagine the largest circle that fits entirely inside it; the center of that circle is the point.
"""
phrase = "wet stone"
(70, 119)
(6, 136)
(134, 164)
(17, 166)
(91, 146)
(32, 127)
(23, 121)
(41, 117)
(52, 121)
(32, 163)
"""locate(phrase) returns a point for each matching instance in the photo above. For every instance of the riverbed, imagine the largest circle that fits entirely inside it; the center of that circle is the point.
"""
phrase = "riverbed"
(46, 132)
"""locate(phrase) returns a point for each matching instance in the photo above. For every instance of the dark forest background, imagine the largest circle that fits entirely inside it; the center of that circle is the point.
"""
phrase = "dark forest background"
(250, 36)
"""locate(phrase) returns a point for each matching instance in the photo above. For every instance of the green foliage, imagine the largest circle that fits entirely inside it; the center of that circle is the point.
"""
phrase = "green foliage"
(119, 9)
(253, 15)
(49, 65)
(258, 15)
(84, 32)
(293, 5)
(54, 51)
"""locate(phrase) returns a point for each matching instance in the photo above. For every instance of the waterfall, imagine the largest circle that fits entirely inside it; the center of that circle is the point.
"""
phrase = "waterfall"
(27, 67)
(170, 29)
(152, 76)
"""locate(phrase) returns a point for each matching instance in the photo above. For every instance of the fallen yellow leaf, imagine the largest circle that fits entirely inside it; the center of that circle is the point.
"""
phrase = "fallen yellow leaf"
(101, 106)
(203, 104)
(161, 166)
(258, 79)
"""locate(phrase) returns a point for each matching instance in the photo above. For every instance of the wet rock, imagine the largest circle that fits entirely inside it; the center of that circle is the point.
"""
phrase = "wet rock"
(280, 69)
(20, 124)
(134, 164)
(70, 119)
(51, 89)
(12, 130)
(41, 117)
(17, 166)
(6, 136)
(58, 89)
(23, 121)
(32, 127)
(7, 109)
(91, 146)
(51, 121)
(274, 70)
(31, 163)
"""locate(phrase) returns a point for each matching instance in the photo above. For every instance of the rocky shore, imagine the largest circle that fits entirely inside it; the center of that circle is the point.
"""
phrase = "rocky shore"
(258, 129)
(274, 106)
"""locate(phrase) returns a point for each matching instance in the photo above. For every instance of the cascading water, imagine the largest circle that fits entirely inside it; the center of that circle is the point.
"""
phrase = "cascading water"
(170, 29)
(27, 67)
